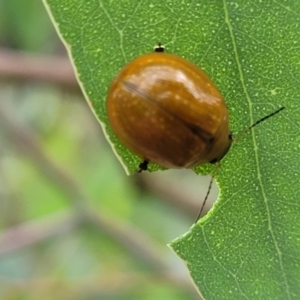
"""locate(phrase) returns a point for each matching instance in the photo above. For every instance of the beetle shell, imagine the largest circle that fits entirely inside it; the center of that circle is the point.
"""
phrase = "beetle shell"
(167, 111)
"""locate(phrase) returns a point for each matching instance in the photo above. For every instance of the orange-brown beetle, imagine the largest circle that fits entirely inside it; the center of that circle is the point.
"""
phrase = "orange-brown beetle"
(167, 111)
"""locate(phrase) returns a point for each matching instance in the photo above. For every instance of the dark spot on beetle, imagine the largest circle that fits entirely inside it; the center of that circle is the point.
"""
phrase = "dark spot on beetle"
(215, 160)
(211, 140)
(200, 132)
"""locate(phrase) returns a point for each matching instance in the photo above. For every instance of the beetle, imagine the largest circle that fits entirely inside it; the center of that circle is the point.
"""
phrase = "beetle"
(168, 111)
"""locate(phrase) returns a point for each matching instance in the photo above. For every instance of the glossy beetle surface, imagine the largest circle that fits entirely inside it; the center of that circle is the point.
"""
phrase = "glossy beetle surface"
(167, 111)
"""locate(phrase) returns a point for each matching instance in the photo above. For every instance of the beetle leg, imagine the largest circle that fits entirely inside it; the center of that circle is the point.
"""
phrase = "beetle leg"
(143, 166)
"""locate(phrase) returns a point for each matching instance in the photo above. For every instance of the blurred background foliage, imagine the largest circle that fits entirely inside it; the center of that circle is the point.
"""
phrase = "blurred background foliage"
(73, 224)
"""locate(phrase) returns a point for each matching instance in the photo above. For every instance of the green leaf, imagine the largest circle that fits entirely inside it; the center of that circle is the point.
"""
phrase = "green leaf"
(248, 246)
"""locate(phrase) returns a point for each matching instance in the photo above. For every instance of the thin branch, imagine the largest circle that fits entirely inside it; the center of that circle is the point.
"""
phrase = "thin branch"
(37, 230)
(23, 66)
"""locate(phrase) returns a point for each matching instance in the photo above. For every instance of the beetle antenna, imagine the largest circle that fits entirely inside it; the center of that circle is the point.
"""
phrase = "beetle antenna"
(208, 191)
(257, 122)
